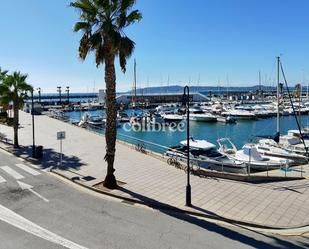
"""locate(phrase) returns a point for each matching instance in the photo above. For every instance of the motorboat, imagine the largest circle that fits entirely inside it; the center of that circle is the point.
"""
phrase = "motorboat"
(205, 155)
(227, 119)
(173, 116)
(269, 147)
(197, 114)
(156, 119)
(123, 117)
(250, 155)
(240, 114)
(94, 121)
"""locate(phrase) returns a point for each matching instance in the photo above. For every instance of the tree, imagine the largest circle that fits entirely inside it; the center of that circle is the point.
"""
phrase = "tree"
(13, 89)
(3, 74)
(102, 23)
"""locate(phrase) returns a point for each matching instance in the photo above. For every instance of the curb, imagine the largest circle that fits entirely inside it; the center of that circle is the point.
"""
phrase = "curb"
(179, 210)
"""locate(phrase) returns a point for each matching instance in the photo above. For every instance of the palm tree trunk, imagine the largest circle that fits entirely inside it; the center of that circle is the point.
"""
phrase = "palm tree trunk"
(111, 114)
(15, 124)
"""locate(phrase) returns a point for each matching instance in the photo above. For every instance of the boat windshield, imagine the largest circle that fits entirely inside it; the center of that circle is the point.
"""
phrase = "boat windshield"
(207, 153)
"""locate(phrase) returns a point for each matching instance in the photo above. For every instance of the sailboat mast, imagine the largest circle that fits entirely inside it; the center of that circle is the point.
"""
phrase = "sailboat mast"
(134, 86)
(278, 101)
(260, 89)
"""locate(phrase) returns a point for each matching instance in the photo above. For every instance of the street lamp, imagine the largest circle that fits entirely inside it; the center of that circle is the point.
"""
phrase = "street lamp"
(186, 102)
(68, 94)
(59, 91)
(39, 91)
(32, 113)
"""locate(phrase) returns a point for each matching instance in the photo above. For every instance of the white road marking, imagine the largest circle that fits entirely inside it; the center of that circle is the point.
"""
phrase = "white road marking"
(20, 222)
(12, 172)
(27, 169)
(6, 153)
(25, 186)
(2, 179)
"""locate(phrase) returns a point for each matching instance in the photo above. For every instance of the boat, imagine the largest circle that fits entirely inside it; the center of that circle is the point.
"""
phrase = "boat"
(123, 117)
(156, 119)
(269, 147)
(173, 116)
(197, 114)
(94, 121)
(240, 114)
(250, 155)
(205, 155)
(227, 119)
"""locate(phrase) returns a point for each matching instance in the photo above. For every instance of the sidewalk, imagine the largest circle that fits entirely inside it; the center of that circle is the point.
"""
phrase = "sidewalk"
(145, 178)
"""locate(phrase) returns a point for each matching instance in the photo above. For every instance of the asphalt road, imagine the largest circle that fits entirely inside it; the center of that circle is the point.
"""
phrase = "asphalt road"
(39, 210)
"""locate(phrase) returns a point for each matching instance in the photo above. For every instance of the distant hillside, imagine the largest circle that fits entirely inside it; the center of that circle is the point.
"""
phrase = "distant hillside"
(178, 89)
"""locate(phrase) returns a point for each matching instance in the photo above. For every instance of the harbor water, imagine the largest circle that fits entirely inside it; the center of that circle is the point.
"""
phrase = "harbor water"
(242, 132)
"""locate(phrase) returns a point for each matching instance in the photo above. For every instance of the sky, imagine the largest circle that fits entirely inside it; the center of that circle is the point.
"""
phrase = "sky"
(178, 42)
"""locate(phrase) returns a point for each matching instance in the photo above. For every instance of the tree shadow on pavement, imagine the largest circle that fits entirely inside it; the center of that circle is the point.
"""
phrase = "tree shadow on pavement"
(50, 159)
(228, 233)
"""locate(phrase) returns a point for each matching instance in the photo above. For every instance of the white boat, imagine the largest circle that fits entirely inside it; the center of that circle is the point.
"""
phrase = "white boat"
(156, 119)
(205, 155)
(251, 157)
(171, 117)
(227, 119)
(197, 114)
(269, 147)
(240, 114)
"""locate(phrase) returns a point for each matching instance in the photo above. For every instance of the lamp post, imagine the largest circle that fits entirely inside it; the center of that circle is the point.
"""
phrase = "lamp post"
(32, 113)
(186, 98)
(68, 94)
(59, 91)
(39, 91)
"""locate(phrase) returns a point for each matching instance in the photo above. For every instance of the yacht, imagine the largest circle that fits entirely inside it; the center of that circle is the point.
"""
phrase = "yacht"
(205, 155)
(97, 121)
(240, 114)
(92, 120)
(156, 119)
(269, 147)
(123, 117)
(197, 114)
(250, 155)
(173, 116)
(227, 119)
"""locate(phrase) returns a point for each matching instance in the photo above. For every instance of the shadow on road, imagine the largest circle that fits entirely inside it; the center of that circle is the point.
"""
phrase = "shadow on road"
(274, 242)
(51, 158)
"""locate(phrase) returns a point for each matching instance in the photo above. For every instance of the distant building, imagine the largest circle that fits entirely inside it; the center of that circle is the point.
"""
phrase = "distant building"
(157, 98)
(101, 97)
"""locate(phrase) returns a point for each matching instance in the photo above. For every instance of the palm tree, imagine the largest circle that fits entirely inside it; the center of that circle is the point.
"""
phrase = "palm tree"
(102, 23)
(2, 75)
(13, 89)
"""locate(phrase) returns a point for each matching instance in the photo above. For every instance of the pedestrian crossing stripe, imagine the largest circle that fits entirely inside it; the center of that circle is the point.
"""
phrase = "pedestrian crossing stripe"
(12, 172)
(2, 179)
(28, 169)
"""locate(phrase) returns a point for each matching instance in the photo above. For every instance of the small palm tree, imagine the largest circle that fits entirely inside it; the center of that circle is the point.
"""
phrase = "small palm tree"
(102, 23)
(13, 89)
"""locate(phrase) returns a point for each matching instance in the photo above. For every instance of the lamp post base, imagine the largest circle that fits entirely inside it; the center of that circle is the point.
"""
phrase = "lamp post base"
(188, 196)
